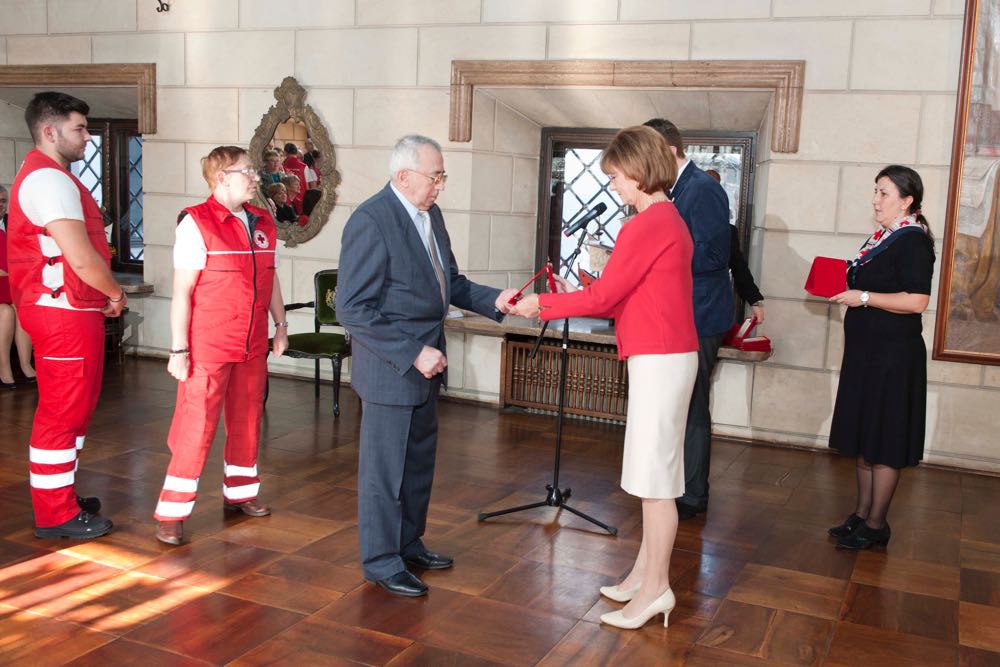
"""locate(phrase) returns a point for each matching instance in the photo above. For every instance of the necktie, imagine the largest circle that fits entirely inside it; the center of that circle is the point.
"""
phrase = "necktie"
(425, 225)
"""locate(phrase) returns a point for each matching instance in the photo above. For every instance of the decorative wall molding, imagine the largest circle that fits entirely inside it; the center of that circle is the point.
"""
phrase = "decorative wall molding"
(784, 77)
(140, 75)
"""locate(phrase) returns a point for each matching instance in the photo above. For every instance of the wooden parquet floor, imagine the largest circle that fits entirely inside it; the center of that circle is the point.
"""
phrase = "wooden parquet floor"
(757, 580)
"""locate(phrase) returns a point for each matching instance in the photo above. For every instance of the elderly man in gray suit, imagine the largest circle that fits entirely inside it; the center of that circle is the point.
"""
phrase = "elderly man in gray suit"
(397, 278)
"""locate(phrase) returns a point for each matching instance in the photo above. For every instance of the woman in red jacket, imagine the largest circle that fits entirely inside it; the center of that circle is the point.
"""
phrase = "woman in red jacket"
(646, 288)
(224, 287)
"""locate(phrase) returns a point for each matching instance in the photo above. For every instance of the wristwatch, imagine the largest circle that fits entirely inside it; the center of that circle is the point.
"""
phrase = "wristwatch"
(864, 298)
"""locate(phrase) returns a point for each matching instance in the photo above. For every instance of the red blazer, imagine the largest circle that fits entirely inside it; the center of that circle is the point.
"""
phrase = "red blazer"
(646, 287)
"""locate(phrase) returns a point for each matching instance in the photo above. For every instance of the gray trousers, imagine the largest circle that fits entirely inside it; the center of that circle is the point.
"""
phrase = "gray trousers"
(395, 473)
(698, 434)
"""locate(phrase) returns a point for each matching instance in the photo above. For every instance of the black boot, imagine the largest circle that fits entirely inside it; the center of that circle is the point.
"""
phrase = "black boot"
(91, 505)
(866, 537)
(846, 528)
(83, 526)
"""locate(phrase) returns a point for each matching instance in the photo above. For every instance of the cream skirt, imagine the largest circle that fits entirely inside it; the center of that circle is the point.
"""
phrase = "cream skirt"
(659, 392)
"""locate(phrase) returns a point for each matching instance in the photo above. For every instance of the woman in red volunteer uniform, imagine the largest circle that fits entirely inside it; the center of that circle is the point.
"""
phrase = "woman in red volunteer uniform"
(224, 287)
(646, 288)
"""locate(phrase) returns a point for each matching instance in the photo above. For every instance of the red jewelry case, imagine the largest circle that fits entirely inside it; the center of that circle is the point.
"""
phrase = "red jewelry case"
(827, 277)
(737, 337)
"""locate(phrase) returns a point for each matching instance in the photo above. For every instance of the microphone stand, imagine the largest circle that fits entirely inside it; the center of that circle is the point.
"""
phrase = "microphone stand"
(555, 497)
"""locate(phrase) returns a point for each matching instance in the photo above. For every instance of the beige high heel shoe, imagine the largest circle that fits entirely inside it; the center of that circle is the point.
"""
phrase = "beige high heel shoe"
(661, 605)
(618, 594)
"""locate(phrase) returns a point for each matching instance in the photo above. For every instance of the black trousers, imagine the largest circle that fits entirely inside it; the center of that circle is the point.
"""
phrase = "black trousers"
(698, 434)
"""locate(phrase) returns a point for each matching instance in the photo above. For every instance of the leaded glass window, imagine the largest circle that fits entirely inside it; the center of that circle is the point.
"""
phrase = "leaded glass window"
(111, 169)
(131, 220)
(90, 170)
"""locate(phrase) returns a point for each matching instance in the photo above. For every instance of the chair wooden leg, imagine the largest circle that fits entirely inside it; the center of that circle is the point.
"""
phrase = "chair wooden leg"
(336, 386)
(317, 379)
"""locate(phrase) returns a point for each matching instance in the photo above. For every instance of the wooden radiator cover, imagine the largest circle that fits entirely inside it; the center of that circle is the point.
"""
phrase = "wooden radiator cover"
(596, 381)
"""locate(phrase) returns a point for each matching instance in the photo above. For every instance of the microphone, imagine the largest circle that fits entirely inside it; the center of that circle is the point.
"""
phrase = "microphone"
(592, 215)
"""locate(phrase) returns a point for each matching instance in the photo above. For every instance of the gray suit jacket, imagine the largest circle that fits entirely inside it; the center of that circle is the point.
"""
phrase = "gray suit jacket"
(388, 298)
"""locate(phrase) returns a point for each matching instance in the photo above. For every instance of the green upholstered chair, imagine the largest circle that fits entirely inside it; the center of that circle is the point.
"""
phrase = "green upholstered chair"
(322, 345)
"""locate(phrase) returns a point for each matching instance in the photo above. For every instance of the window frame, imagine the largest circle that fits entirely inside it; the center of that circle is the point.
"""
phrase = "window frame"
(115, 134)
(553, 137)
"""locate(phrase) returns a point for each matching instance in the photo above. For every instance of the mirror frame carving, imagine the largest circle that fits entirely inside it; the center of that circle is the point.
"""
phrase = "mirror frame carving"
(291, 103)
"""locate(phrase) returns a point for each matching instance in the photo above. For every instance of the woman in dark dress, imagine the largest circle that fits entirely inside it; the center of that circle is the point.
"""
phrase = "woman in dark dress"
(881, 401)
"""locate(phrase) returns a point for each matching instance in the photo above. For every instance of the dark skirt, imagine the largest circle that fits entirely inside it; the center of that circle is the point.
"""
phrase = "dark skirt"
(881, 406)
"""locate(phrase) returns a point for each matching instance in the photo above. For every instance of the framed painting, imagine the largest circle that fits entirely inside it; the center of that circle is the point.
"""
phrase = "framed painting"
(968, 315)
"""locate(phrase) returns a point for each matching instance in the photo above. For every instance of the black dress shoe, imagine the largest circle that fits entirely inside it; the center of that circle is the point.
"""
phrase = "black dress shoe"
(687, 511)
(849, 526)
(83, 526)
(429, 560)
(91, 505)
(8, 385)
(404, 583)
(866, 537)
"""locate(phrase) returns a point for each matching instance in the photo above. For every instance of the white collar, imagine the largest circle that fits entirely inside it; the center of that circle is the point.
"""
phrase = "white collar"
(681, 170)
(407, 204)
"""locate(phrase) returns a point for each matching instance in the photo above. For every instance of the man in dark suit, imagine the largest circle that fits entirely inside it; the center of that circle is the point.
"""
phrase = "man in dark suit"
(397, 278)
(743, 280)
(703, 204)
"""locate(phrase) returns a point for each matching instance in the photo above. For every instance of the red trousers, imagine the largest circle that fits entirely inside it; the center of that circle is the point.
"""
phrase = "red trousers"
(239, 388)
(69, 359)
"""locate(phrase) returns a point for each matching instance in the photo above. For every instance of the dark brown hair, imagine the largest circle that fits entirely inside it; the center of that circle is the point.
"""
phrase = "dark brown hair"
(669, 132)
(909, 184)
(51, 106)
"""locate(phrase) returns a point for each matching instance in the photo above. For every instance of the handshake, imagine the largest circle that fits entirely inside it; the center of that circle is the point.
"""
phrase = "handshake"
(526, 305)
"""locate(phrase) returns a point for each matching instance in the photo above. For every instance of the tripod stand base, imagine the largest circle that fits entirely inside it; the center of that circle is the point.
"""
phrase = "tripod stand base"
(555, 497)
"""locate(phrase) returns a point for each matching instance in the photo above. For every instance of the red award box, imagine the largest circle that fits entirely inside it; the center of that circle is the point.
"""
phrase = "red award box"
(827, 277)
(737, 337)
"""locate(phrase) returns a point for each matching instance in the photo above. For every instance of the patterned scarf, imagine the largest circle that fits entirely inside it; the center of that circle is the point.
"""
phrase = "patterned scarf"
(880, 237)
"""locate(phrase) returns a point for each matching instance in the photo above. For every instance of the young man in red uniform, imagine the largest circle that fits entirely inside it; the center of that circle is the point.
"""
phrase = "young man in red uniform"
(62, 285)
(224, 287)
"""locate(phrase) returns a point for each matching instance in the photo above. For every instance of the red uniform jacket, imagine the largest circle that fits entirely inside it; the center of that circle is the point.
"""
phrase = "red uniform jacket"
(28, 280)
(646, 287)
(229, 304)
(294, 165)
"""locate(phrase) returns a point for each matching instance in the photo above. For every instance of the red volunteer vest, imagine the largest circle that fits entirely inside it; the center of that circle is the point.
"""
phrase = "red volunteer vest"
(25, 250)
(230, 300)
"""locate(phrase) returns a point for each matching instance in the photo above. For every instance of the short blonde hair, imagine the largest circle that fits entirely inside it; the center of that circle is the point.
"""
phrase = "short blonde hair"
(288, 179)
(275, 188)
(221, 157)
(270, 153)
(642, 154)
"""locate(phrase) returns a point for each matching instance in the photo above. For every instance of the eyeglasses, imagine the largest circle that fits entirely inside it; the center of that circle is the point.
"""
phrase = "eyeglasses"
(249, 172)
(440, 179)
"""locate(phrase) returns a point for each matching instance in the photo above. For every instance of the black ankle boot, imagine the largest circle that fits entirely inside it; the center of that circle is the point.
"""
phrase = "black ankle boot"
(849, 526)
(865, 537)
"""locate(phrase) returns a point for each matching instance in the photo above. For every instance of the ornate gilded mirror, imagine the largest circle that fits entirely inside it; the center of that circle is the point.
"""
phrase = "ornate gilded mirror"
(292, 129)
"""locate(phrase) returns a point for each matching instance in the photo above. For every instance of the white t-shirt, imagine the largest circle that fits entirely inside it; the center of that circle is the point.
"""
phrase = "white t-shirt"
(190, 251)
(47, 195)
(310, 175)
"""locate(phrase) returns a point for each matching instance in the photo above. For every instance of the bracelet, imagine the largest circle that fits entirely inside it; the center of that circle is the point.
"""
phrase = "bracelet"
(181, 351)
(120, 296)
(281, 324)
